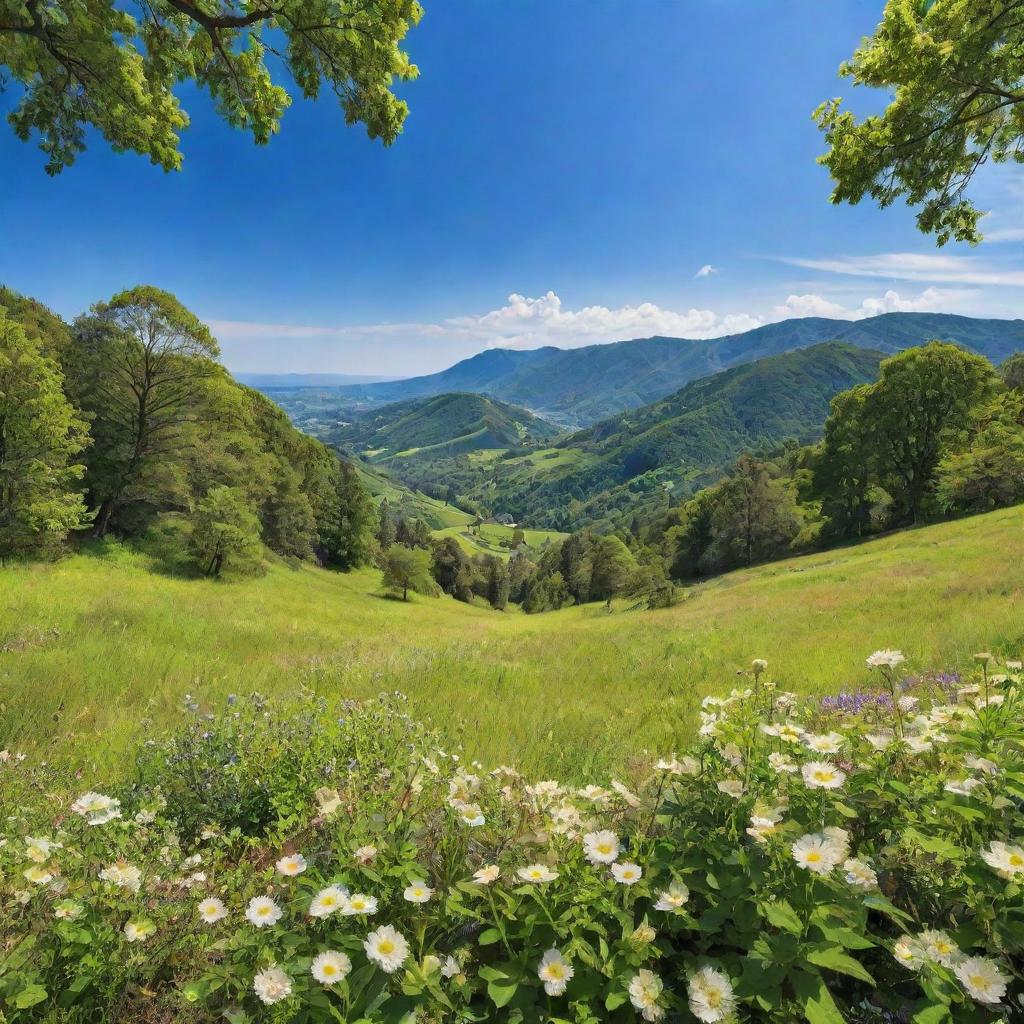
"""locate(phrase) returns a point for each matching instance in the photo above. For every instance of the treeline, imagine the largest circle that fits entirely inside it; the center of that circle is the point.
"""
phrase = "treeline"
(125, 423)
(939, 434)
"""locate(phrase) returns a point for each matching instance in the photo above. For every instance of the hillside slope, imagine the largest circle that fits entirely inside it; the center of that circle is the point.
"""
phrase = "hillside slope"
(580, 386)
(96, 644)
(623, 464)
(442, 425)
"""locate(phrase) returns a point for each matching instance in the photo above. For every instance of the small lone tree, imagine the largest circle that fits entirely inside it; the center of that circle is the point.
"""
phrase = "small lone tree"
(40, 434)
(408, 569)
(225, 533)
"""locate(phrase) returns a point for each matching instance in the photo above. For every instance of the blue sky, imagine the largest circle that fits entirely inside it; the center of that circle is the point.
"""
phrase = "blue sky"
(567, 169)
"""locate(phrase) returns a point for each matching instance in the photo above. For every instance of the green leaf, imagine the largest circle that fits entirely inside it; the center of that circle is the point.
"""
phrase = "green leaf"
(30, 995)
(501, 992)
(815, 999)
(614, 1000)
(876, 902)
(488, 937)
(835, 959)
(937, 1013)
(782, 915)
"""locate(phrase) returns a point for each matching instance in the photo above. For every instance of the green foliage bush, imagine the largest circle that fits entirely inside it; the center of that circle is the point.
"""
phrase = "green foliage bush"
(857, 859)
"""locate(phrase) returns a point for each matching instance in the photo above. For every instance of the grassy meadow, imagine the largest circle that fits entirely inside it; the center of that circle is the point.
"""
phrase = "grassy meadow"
(95, 648)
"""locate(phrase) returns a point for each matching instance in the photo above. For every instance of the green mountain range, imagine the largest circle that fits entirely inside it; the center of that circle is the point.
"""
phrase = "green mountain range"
(444, 425)
(580, 386)
(630, 462)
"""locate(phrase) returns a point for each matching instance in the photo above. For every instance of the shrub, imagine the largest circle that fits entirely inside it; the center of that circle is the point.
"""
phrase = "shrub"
(855, 859)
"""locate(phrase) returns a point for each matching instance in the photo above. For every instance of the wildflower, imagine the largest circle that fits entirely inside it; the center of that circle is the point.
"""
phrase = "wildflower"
(450, 968)
(212, 910)
(38, 875)
(881, 740)
(627, 873)
(601, 847)
(358, 903)
(817, 852)
(731, 787)
(67, 910)
(782, 764)
(859, 874)
(487, 874)
(272, 985)
(644, 989)
(983, 657)
(886, 659)
(962, 787)
(631, 799)
(387, 948)
(328, 801)
(123, 875)
(39, 850)
(330, 967)
(788, 732)
(555, 972)
(471, 815)
(982, 979)
(678, 766)
(366, 854)
(263, 911)
(328, 901)
(829, 743)
(711, 995)
(822, 775)
(940, 947)
(644, 934)
(537, 873)
(139, 931)
(673, 898)
(293, 864)
(908, 951)
(595, 794)
(981, 764)
(759, 665)
(418, 892)
(96, 808)
(1007, 861)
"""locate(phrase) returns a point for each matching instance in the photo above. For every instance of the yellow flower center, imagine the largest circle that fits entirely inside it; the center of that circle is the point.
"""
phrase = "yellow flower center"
(329, 969)
(386, 946)
(813, 857)
(1016, 860)
(263, 911)
(714, 999)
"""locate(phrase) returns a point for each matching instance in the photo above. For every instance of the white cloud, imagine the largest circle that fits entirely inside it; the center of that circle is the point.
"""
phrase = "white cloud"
(706, 271)
(907, 266)
(525, 322)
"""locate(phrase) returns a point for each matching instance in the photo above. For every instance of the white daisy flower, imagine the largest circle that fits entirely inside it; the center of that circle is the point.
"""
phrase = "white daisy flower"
(601, 847)
(450, 968)
(366, 854)
(822, 775)
(782, 764)
(272, 985)
(487, 874)
(982, 979)
(330, 967)
(471, 815)
(886, 659)
(711, 997)
(418, 892)
(291, 865)
(328, 801)
(537, 873)
(909, 952)
(359, 903)
(859, 874)
(212, 910)
(672, 898)
(731, 787)
(940, 947)
(67, 910)
(962, 787)
(829, 743)
(881, 740)
(139, 931)
(387, 948)
(96, 808)
(123, 875)
(1007, 861)
(817, 852)
(38, 875)
(328, 901)
(262, 911)
(645, 989)
(555, 972)
(595, 794)
(38, 849)
(631, 799)
(627, 873)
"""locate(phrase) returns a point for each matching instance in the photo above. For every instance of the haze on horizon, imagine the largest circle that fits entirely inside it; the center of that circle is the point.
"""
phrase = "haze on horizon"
(598, 198)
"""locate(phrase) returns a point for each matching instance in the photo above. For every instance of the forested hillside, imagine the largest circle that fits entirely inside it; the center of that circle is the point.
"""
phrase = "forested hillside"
(125, 423)
(579, 386)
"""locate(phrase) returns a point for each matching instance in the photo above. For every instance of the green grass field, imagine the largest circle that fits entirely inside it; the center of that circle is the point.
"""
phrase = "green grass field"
(97, 647)
(487, 538)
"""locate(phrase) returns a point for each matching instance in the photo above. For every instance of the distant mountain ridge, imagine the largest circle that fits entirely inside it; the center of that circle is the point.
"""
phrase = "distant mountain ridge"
(580, 386)
(439, 426)
(263, 381)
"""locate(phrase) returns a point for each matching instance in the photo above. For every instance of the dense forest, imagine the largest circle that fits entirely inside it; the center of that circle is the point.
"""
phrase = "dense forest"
(124, 423)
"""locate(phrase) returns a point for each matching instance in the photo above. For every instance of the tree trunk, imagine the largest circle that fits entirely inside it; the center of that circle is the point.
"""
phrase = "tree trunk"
(106, 510)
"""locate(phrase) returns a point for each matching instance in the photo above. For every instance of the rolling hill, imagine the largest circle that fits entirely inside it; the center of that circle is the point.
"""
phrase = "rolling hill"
(626, 463)
(580, 386)
(565, 693)
(438, 426)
